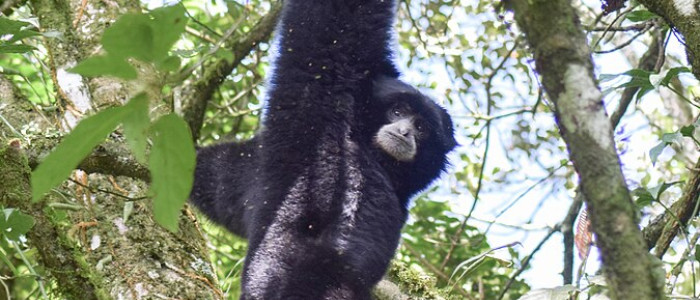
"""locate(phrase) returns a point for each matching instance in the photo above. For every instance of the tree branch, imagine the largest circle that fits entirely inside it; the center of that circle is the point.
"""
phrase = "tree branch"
(197, 94)
(564, 63)
(109, 158)
(661, 231)
(684, 18)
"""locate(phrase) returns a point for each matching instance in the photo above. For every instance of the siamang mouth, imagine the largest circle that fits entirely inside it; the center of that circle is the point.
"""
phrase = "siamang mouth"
(399, 138)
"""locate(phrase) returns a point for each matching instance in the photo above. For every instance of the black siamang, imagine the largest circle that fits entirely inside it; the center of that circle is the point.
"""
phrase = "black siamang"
(321, 192)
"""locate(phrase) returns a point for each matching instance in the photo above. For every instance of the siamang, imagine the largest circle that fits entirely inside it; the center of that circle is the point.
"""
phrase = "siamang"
(321, 192)
(407, 133)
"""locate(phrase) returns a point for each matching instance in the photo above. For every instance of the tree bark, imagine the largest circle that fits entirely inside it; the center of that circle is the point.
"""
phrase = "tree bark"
(685, 17)
(564, 63)
(87, 241)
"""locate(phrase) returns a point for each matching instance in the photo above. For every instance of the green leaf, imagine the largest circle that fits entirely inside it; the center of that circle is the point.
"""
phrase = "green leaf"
(697, 253)
(136, 126)
(170, 64)
(12, 48)
(688, 130)
(167, 25)
(640, 78)
(656, 151)
(23, 34)
(130, 36)
(74, 147)
(172, 163)
(143, 38)
(607, 77)
(14, 223)
(9, 26)
(663, 187)
(644, 197)
(640, 15)
(17, 30)
(671, 137)
(105, 66)
(673, 73)
(128, 209)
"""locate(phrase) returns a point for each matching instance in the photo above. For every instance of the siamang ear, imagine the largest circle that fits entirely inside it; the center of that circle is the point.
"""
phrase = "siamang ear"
(384, 87)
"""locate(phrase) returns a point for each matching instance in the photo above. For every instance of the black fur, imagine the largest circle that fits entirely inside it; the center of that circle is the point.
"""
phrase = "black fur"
(321, 206)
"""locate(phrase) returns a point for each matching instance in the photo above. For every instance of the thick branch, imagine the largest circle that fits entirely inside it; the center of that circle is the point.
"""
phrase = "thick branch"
(648, 62)
(661, 231)
(14, 182)
(684, 16)
(109, 158)
(563, 61)
(200, 91)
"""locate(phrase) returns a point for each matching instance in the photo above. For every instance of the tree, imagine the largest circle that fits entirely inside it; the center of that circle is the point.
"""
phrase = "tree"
(527, 83)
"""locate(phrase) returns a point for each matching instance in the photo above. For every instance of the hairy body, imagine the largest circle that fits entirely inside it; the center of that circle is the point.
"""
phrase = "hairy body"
(321, 193)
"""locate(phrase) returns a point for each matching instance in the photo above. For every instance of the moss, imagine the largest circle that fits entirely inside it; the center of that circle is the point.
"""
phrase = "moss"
(54, 248)
(414, 283)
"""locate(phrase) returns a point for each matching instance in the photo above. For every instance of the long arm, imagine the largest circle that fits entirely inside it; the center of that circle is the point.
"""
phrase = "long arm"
(334, 42)
(224, 178)
(311, 160)
(329, 51)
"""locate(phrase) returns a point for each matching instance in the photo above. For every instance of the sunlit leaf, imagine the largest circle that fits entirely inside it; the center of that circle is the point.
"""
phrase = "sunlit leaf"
(640, 15)
(145, 38)
(90, 132)
(170, 64)
(105, 66)
(136, 126)
(656, 151)
(167, 25)
(14, 223)
(644, 197)
(172, 163)
(8, 26)
(15, 48)
(671, 137)
(129, 36)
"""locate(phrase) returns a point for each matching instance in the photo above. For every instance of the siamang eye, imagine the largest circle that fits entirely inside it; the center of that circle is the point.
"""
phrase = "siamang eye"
(420, 126)
(396, 112)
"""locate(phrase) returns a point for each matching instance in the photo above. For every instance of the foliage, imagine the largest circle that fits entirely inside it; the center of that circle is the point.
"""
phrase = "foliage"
(146, 37)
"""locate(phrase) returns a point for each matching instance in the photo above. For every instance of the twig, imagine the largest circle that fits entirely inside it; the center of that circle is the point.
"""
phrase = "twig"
(526, 261)
(489, 107)
(27, 263)
(634, 27)
(201, 90)
(567, 230)
(679, 213)
(648, 62)
(623, 45)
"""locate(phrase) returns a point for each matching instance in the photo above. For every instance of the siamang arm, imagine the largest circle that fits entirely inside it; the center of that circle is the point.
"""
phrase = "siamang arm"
(329, 52)
(334, 42)
(224, 178)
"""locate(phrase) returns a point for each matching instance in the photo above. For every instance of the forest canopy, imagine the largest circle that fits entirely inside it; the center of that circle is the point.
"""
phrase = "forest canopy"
(577, 174)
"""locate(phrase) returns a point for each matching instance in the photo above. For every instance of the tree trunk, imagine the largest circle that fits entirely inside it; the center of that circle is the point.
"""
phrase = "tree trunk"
(564, 63)
(95, 235)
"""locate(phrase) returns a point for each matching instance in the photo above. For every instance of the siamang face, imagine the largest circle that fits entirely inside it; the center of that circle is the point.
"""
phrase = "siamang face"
(412, 126)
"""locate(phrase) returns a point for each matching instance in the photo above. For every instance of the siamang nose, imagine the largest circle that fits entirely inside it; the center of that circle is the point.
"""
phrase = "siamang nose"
(405, 128)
